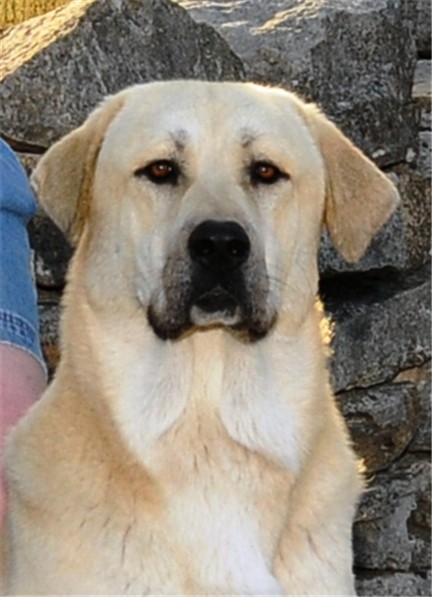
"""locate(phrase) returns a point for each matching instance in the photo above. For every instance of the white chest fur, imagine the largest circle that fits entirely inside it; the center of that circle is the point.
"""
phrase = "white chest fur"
(204, 416)
(257, 394)
(223, 531)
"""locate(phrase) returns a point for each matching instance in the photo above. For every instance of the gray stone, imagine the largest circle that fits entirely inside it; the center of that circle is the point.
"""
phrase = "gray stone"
(52, 252)
(425, 154)
(398, 584)
(404, 242)
(420, 377)
(392, 528)
(414, 232)
(422, 91)
(382, 421)
(115, 43)
(49, 322)
(354, 57)
(382, 325)
(423, 33)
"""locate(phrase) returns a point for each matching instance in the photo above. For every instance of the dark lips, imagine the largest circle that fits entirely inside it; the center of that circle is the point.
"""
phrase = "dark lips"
(217, 300)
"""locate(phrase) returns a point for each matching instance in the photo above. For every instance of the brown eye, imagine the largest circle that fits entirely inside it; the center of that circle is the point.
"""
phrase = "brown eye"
(160, 172)
(265, 173)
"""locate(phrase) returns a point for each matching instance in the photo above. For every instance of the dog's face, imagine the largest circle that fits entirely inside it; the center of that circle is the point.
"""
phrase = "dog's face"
(203, 203)
(219, 189)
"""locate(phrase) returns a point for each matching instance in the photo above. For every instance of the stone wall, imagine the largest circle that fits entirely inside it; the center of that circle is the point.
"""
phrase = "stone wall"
(367, 62)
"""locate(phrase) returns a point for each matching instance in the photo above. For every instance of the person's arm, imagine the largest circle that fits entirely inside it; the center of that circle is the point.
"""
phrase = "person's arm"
(22, 369)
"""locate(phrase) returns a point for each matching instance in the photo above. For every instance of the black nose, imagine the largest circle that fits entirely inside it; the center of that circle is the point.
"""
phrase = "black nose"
(219, 245)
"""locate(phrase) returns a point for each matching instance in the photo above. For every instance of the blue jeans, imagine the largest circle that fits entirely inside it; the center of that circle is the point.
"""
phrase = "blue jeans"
(19, 324)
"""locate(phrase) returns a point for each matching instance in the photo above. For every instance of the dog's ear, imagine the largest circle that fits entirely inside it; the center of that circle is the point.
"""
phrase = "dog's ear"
(359, 197)
(63, 178)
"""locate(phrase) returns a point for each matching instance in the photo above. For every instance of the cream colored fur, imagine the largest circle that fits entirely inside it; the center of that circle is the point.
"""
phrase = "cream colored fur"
(204, 465)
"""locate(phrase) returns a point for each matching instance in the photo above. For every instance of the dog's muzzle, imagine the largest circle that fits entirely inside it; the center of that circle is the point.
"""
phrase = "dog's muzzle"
(216, 281)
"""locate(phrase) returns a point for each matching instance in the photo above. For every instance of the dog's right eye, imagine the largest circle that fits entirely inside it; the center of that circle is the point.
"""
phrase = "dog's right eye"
(160, 172)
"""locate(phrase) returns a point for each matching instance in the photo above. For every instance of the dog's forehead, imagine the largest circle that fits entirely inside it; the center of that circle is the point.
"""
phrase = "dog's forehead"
(202, 111)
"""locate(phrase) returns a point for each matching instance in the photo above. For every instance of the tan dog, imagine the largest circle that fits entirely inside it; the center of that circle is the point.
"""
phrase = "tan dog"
(189, 443)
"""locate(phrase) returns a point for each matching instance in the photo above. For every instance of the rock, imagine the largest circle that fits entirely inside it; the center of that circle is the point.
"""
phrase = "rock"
(422, 91)
(401, 584)
(355, 58)
(114, 44)
(413, 235)
(52, 252)
(21, 42)
(382, 421)
(392, 528)
(423, 32)
(421, 378)
(49, 321)
(425, 154)
(382, 325)
(404, 242)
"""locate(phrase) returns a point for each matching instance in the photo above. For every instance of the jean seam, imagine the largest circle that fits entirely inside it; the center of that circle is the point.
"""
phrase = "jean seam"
(16, 324)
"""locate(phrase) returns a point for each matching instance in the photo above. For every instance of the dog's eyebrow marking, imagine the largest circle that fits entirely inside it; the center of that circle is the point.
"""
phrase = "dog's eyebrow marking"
(248, 136)
(179, 138)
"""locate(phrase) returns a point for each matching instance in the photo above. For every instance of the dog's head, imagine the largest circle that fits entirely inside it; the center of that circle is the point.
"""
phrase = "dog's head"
(203, 203)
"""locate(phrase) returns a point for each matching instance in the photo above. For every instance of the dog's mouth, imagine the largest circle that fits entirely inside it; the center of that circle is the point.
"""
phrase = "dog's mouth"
(196, 308)
(216, 306)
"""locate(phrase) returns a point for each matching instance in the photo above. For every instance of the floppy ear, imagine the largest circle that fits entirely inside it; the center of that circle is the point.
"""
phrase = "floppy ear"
(359, 197)
(63, 178)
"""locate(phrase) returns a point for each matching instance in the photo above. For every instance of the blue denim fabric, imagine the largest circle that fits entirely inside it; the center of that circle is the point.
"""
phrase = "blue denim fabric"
(19, 322)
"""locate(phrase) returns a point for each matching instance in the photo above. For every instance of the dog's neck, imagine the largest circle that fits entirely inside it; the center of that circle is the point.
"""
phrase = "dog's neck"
(152, 386)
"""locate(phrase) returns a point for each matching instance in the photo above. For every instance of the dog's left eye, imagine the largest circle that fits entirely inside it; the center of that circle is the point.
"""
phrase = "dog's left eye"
(160, 172)
(265, 173)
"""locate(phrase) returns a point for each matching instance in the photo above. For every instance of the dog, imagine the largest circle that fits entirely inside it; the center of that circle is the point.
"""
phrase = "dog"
(189, 442)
